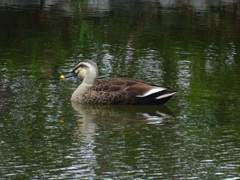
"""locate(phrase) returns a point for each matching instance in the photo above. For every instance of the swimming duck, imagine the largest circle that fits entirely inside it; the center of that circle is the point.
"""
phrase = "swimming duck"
(114, 91)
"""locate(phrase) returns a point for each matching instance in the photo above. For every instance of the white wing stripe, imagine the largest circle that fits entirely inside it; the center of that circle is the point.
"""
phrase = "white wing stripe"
(165, 95)
(152, 91)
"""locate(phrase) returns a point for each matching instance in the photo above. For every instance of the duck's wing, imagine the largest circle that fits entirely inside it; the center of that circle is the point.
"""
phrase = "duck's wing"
(130, 91)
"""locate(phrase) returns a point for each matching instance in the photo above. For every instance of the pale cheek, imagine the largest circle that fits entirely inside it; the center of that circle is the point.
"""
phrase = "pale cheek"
(82, 73)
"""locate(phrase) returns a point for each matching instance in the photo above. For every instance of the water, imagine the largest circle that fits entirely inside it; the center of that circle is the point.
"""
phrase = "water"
(190, 46)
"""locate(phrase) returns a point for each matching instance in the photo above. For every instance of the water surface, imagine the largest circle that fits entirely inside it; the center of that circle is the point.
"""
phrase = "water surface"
(190, 46)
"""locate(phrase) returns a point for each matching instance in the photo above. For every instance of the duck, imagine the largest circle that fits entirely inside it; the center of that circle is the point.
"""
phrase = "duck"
(114, 91)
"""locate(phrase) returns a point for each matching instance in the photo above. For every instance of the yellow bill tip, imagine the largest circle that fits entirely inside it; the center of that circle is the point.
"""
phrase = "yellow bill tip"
(62, 77)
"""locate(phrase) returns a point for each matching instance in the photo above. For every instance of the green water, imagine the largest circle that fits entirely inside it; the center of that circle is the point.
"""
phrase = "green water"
(191, 46)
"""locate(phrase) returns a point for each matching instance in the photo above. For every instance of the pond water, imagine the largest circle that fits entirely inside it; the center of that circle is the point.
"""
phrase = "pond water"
(191, 46)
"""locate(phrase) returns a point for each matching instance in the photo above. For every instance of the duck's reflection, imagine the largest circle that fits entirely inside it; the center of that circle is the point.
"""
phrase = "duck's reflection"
(96, 116)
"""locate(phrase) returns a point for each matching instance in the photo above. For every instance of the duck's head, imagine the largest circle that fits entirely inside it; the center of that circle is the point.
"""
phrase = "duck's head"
(86, 69)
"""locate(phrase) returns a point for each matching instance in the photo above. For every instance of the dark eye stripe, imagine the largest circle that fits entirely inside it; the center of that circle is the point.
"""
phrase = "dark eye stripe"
(80, 66)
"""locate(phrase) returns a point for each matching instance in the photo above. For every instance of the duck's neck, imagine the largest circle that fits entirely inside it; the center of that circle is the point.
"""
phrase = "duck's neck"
(82, 89)
(89, 81)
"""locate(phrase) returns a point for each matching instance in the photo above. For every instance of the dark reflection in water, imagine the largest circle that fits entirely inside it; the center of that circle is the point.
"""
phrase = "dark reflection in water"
(191, 46)
(122, 114)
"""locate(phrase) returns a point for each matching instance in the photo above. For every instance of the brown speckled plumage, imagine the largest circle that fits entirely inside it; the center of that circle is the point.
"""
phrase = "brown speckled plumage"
(115, 90)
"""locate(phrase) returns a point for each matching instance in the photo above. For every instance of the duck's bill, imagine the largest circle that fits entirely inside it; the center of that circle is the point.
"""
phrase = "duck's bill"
(71, 74)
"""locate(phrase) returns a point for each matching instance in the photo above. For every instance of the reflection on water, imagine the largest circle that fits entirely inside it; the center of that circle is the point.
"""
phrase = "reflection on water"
(191, 46)
(92, 129)
(106, 129)
(92, 115)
